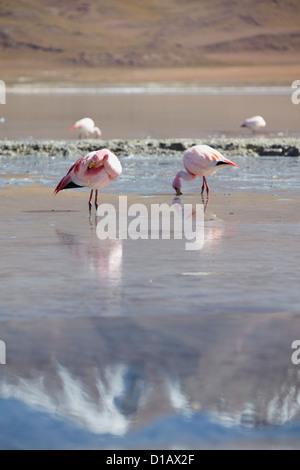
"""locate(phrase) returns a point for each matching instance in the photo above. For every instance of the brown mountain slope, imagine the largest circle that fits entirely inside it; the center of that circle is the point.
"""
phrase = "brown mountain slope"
(59, 35)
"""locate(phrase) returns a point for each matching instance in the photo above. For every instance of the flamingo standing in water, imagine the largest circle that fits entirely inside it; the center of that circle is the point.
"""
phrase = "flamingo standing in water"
(254, 123)
(95, 170)
(87, 128)
(200, 160)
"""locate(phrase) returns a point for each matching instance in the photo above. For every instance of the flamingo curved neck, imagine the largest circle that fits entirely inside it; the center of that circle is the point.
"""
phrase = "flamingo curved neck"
(184, 175)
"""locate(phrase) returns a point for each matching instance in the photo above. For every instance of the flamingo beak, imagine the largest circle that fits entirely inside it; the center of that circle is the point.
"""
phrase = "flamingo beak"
(178, 192)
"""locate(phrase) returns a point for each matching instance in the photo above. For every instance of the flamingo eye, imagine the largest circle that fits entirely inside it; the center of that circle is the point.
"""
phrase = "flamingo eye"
(91, 165)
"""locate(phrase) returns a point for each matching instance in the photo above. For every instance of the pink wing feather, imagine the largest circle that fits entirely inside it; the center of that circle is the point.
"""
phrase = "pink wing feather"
(68, 178)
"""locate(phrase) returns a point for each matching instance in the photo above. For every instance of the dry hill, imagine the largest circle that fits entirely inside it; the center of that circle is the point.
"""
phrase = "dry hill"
(84, 37)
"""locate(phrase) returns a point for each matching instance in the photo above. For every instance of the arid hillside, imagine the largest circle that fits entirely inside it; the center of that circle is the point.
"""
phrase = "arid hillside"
(48, 37)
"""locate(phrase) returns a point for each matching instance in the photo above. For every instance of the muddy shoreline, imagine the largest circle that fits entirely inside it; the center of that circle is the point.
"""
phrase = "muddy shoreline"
(256, 146)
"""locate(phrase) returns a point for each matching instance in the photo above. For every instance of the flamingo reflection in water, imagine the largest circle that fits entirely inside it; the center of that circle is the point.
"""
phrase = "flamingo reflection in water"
(214, 227)
(102, 257)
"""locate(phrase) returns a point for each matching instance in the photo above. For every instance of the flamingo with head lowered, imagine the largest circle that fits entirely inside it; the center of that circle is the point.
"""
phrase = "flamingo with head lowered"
(87, 128)
(255, 123)
(96, 170)
(200, 160)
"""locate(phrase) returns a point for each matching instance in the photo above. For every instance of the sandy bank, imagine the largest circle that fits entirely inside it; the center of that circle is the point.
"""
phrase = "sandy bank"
(257, 146)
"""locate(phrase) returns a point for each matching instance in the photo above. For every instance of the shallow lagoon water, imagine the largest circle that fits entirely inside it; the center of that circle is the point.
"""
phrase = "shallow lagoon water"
(148, 175)
(123, 344)
(142, 344)
(157, 114)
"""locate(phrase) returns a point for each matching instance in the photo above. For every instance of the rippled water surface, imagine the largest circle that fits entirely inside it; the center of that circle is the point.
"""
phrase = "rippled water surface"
(144, 174)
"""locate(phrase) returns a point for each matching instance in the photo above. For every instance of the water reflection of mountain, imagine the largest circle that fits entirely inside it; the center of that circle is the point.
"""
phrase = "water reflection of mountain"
(112, 375)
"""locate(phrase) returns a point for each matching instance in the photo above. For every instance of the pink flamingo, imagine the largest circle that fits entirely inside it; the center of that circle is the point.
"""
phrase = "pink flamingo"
(254, 123)
(87, 128)
(200, 160)
(95, 170)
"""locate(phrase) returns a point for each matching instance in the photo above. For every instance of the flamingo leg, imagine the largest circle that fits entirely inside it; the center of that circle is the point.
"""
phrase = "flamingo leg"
(205, 203)
(90, 201)
(205, 185)
(96, 199)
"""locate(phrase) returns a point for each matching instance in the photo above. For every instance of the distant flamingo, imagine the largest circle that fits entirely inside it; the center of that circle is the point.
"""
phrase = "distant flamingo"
(96, 170)
(200, 160)
(254, 123)
(87, 128)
